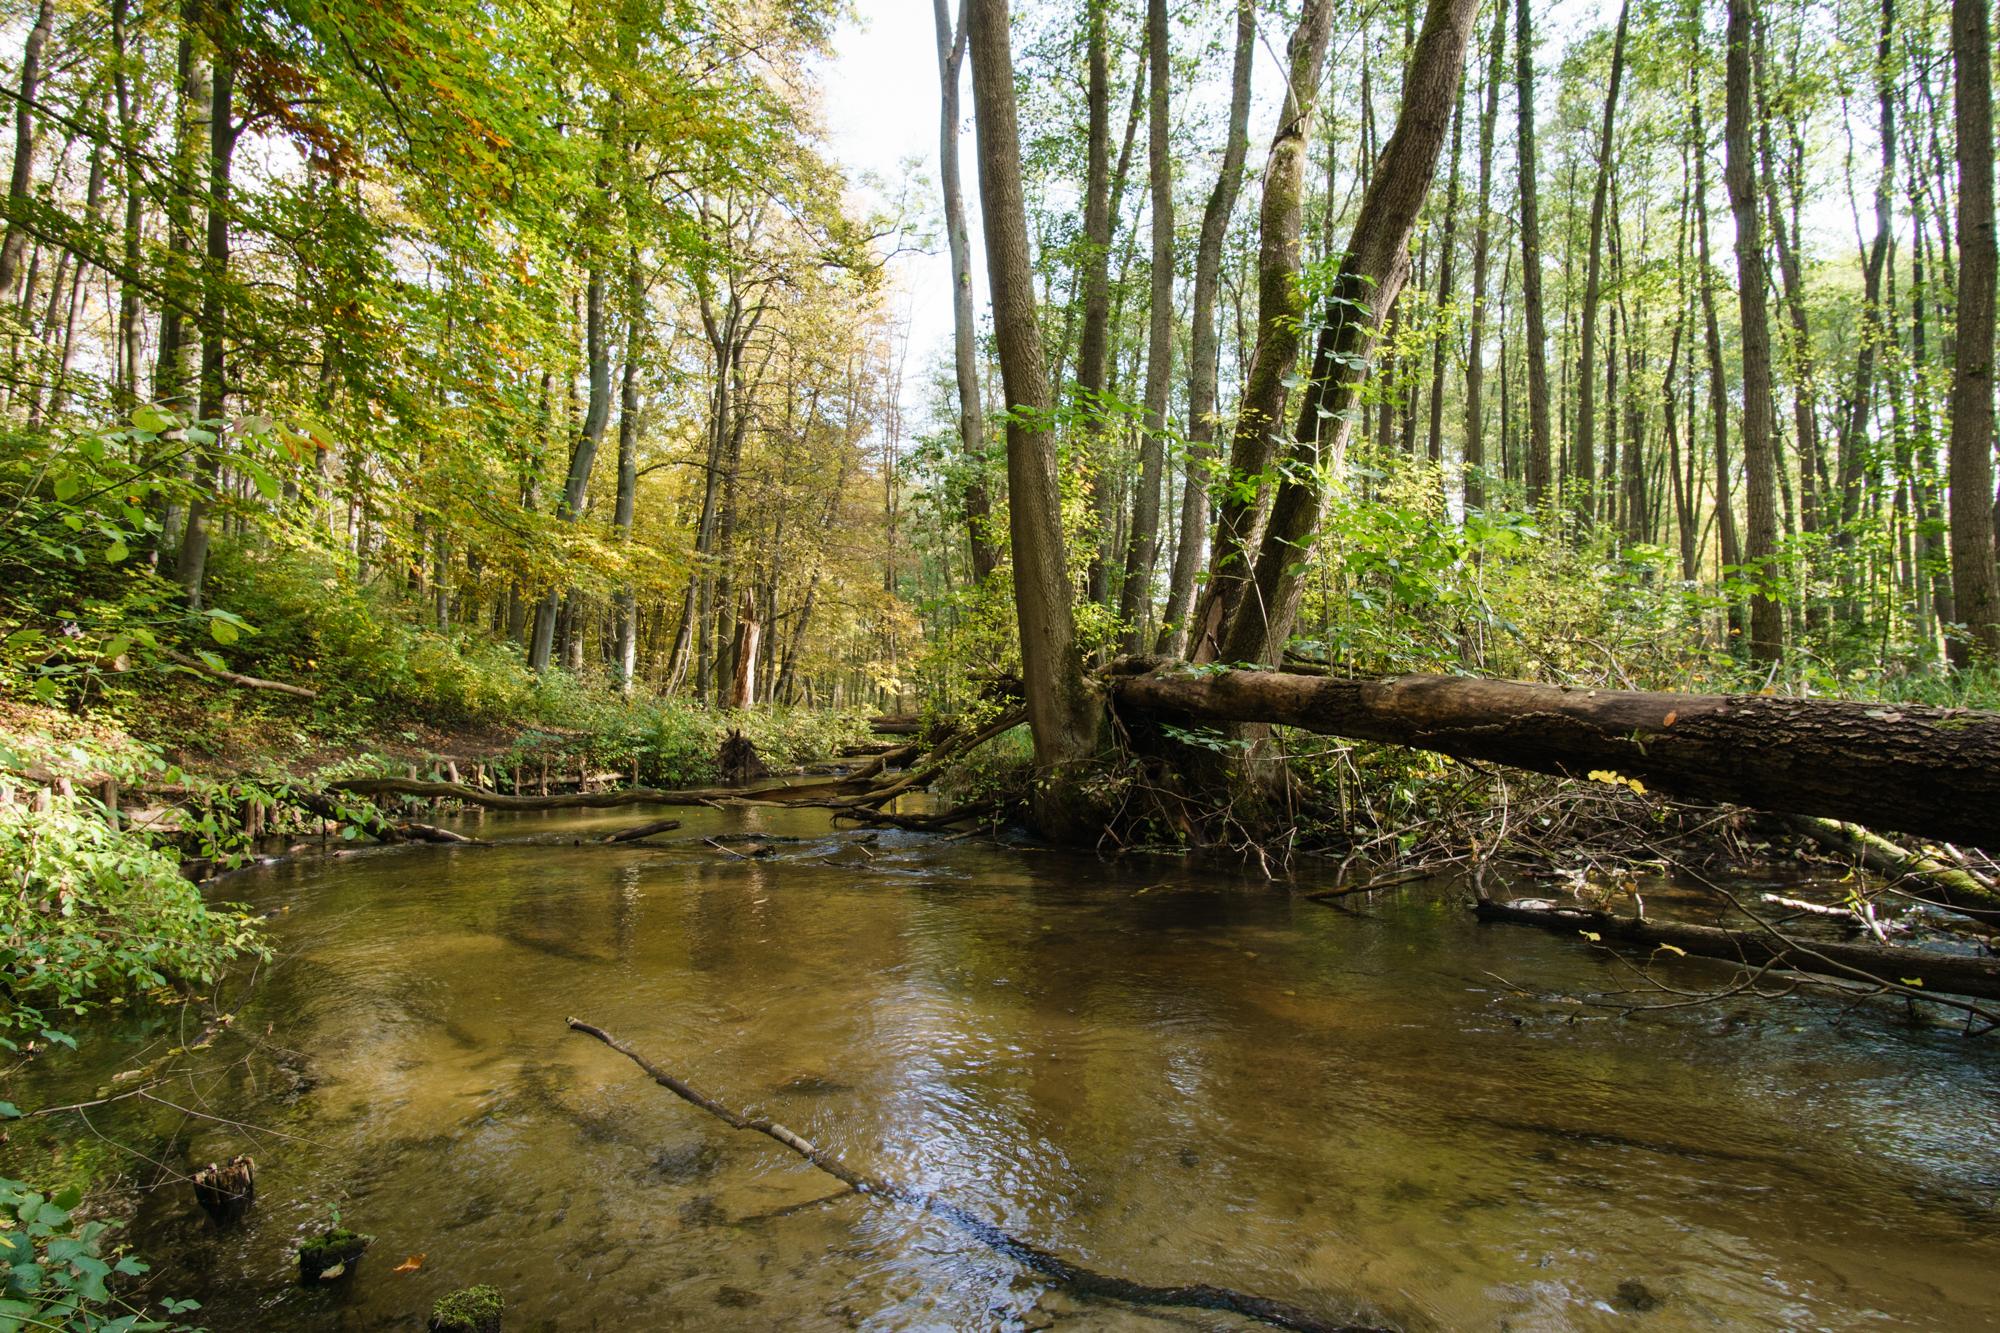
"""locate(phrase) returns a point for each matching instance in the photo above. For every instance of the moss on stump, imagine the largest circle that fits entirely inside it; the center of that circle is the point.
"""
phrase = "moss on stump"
(468, 1310)
(331, 1254)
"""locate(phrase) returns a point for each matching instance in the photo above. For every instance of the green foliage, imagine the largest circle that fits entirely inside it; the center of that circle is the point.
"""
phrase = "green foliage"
(56, 1272)
(93, 913)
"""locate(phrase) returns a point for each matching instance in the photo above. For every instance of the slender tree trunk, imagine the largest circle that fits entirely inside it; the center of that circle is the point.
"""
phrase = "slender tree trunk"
(1971, 460)
(1434, 449)
(15, 242)
(1584, 463)
(193, 562)
(625, 605)
(1371, 276)
(1142, 550)
(1475, 360)
(1280, 319)
(965, 338)
(1205, 354)
(130, 322)
(1540, 465)
(576, 482)
(1767, 618)
(1718, 380)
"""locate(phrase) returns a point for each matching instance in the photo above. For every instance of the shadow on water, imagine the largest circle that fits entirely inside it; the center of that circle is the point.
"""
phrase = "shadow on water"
(1173, 1074)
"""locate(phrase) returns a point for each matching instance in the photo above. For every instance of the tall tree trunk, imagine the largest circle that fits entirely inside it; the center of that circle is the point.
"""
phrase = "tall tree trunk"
(1718, 381)
(1584, 462)
(1767, 616)
(1475, 360)
(1971, 460)
(1142, 550)
(130, 325)
(965, 338)
(1370, 278)
(1063, 715)
(1541, 463)
(625, 605)
(1094, 342)
(193, 562)
(1434, 449)
(1280, 320)
(577, 481)
(15, 242)
(1206, 351)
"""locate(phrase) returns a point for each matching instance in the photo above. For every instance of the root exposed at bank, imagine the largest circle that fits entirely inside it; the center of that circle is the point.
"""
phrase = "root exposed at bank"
(1065, 1273)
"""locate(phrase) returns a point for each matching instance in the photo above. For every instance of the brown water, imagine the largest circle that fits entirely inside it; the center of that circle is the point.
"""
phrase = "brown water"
(1168, 1073)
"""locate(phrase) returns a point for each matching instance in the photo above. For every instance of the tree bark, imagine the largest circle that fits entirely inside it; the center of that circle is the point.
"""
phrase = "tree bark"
(1063, 715)
(1540, 461)
(597, 415)
(1280, 317)
(1767, 615)
(1141, 551)
(1934, 772)
(1370, 278)
(1971, 459)
(964, 333)
(15, 242)
(1204, 357)
(1584, 460)
(1475, 359)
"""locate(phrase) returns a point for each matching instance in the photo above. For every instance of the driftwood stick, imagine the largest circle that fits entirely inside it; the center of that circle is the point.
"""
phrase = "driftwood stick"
(1063, 1272)
(645, 830)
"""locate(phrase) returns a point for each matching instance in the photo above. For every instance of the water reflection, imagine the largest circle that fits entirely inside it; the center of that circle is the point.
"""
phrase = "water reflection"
(1185, 1078)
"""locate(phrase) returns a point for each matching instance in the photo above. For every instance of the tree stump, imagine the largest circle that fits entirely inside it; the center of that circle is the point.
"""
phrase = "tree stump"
(331, 1254)
(738, 760)
(225, 1192)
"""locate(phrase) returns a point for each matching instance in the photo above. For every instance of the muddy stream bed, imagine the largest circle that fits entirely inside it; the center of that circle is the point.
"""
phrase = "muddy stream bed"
(1175, 1074)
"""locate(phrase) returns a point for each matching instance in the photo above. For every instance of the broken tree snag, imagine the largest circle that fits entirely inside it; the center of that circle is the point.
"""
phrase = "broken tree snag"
(738, 761)
(1073, 1276)
(226, 1192)
(1929, 771)
(1923, 970)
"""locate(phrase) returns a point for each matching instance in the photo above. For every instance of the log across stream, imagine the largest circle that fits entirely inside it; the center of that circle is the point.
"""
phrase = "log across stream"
(1375, 1110)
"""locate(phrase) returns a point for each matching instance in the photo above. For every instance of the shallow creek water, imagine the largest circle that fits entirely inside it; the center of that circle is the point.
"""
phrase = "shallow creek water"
(1168, 1073)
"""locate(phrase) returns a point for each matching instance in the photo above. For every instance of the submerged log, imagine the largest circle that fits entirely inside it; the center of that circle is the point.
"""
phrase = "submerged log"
(1924, 970)
(1919, 876)
(1064, 1272)
(1929, 771)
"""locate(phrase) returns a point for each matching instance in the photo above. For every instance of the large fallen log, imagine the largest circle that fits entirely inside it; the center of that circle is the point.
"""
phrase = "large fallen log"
(1925, 970)
(1063, 1272)
(1928, 771)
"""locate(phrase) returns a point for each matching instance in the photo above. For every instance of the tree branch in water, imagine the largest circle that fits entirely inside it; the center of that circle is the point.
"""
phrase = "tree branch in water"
(1063, 1272)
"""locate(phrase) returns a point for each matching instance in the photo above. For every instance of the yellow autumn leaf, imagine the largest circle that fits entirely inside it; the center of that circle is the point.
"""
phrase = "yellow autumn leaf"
(1592, 936)
(411, 1264)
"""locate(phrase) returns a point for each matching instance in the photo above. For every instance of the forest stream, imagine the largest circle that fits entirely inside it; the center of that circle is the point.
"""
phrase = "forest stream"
(1178, 1075)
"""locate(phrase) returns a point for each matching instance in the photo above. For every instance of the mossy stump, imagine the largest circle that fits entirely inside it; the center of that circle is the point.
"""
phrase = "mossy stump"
(468, 1310)
(331, 1254)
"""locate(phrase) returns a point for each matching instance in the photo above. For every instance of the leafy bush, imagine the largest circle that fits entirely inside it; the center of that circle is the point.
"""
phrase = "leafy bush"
(55, 1272)
(90, 911)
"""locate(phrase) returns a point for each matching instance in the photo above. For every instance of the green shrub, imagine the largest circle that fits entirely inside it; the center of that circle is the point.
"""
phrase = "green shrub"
(55, 1272)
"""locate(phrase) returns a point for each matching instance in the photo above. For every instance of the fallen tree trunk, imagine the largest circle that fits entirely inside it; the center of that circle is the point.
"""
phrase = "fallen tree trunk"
(1921, 970)
(195, 664)
(1928, 771)
(1063, 1272)
(805, 793)
(1913, 874)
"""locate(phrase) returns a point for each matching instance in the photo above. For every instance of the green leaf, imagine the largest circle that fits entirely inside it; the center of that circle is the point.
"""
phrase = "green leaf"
(9, 1111)
(223, 632)
(66, 488)
(116, 552)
